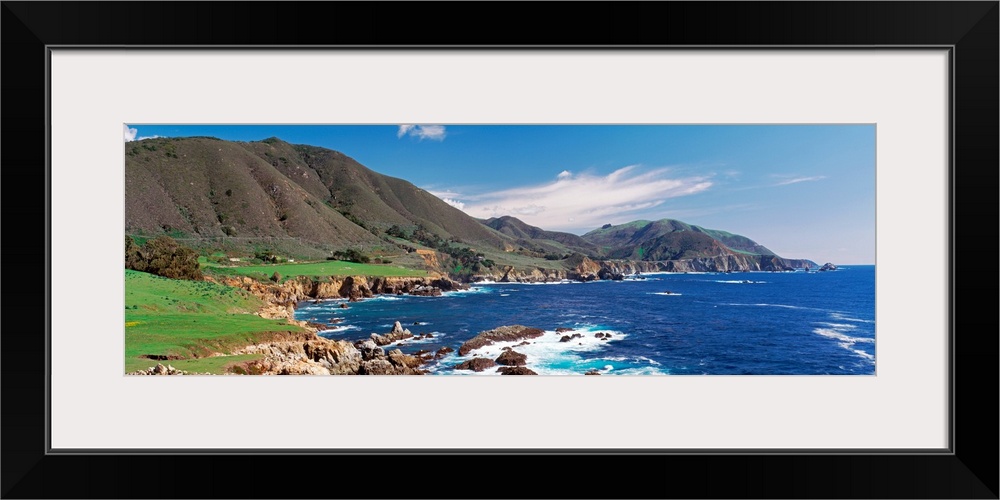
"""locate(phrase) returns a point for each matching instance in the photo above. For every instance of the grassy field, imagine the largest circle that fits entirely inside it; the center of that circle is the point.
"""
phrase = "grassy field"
(190, 319)
(322, 268)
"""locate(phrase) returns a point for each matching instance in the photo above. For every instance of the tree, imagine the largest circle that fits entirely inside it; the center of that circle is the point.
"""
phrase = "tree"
(163, 256)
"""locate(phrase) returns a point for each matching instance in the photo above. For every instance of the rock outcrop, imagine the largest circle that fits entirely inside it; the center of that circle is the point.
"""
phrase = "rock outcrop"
(829, 266)
(159, 369)
(397, 333)
(512, 358)
(515, 370)
(476, 364)
(501, 334)
(307, 354)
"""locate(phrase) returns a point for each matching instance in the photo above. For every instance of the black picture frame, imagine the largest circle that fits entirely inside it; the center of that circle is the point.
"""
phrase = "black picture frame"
(969, 29)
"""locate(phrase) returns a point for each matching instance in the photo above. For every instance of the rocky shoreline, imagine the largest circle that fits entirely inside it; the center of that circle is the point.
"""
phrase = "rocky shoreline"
(308, 353)
(585, 269)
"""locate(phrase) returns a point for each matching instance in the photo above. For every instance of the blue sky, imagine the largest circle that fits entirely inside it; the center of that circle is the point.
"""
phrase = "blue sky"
(804, 191)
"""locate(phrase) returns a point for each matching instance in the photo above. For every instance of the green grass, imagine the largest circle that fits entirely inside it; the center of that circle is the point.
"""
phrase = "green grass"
(215, 364)
(322, 268)
(190, 319)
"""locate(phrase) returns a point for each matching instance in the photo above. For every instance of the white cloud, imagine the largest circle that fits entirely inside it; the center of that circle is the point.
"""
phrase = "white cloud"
(565, 174)
(800, 179)
(455, 203)
(585, 201)
(403, 129)
(432, 132)
(130, 134)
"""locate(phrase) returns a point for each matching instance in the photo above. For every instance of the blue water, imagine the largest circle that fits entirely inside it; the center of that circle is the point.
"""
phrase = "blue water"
(717, 324)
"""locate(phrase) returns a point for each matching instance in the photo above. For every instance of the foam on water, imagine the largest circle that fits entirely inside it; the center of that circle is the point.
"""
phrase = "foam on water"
(412, 340)
(785, 306)
(546, 354)
(337, 329)
(471, 290)
(741, 282)
(665, 293)
(842, 317)
(388, 298)
(561, 282)
(838, 326)
(838, 332)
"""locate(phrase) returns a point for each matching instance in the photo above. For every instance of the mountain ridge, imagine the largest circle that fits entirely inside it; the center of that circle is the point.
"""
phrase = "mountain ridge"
(314, 200)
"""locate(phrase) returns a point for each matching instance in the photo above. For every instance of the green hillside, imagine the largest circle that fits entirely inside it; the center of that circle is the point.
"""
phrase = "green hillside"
(668, 239)
(183, 323)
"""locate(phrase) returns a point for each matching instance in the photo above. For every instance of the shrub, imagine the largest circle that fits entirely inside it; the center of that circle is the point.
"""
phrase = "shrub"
(163, 256)
(396, 231)
(351, 255)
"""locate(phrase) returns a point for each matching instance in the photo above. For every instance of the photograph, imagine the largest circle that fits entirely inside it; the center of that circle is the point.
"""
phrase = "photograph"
(480, 249)
(768, 195)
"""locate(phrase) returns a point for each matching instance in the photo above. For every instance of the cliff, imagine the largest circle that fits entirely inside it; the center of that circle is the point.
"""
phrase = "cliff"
(581, 268)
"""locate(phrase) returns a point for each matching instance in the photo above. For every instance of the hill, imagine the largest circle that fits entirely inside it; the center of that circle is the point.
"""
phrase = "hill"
(550, 241)
(206, 190)
(668, 239)
(308, 201)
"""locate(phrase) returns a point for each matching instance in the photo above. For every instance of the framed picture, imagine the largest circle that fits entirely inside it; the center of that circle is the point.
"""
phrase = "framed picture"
(916, 81)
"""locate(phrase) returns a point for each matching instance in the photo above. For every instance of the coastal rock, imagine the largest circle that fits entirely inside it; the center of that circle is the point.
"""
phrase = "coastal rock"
(376, 367)
(300, 356)
(442, 351)
(829, 266)
(565, 338)
(403, 361)
(159, 369)
(477, 365)
(592, 371)
(370, 349)
(563, 329)
(501, 334)
(512, 358)
(426, 291)
(396, 334)
(599, 334)
(515, 370)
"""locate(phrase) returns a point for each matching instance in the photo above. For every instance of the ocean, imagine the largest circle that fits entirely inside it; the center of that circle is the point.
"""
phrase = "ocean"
(787, 323)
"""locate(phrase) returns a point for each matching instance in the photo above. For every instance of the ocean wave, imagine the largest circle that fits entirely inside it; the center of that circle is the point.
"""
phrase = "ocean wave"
(841, 336)
(413, 340)
(838, 326)
(630, 359)
(547, 355)
(842, 317)
(386, 298)
(665, 293)
(846, 341)
(505, 295)
(746, 282)
(338, 329)
(785, 306)
(644, 370)
(471, 290)
(864, 354)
